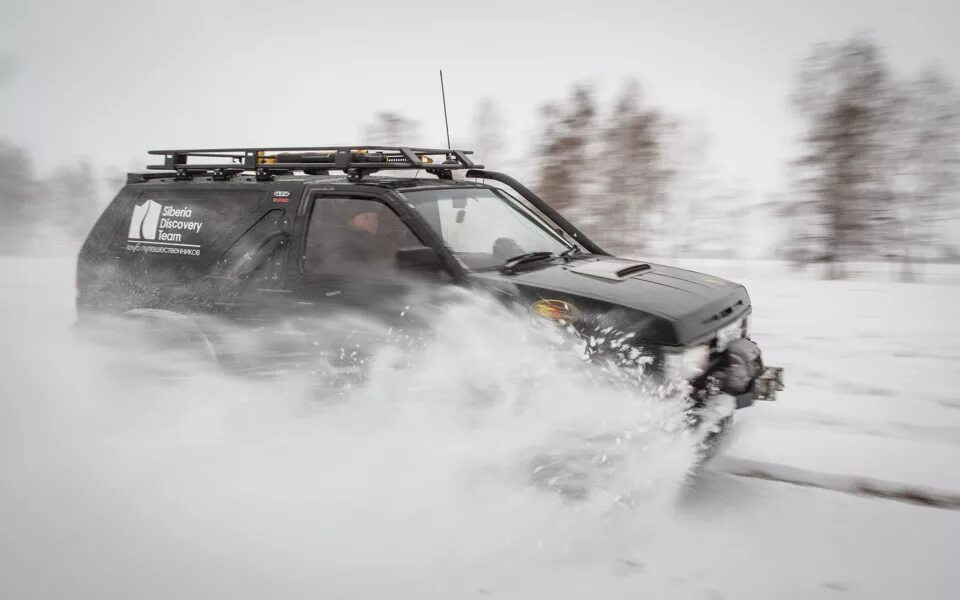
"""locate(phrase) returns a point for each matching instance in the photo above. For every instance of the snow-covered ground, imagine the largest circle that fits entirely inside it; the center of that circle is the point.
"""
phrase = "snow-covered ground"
(848, 486)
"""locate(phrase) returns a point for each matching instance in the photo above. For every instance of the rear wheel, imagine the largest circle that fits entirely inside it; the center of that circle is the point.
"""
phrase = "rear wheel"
(165, 344)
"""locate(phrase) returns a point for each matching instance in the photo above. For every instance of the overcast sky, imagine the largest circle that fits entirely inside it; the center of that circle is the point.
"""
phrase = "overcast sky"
(107, 80)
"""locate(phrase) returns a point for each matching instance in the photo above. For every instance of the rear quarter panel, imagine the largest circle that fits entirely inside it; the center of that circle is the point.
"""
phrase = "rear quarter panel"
(162, 245)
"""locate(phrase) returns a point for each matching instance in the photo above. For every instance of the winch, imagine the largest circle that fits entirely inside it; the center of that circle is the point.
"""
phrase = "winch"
(740, 372)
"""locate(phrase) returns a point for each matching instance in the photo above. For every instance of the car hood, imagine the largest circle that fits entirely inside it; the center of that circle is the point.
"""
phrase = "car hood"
(676, 306)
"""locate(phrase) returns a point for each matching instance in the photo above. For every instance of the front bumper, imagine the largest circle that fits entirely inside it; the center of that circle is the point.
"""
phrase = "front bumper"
(740, 373)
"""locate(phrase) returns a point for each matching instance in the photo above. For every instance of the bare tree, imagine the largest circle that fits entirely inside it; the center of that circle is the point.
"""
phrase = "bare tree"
(690, 186)
(18, 198)
(845, 94)
(392, 129)
(489, 141)
(72, 192)
(926, 162)
(638, 174)
(564, 148)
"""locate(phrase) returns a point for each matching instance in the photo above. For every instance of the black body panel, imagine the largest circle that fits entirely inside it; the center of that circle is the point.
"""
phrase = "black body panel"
(666, 305)
(217, 230)
(249, 267)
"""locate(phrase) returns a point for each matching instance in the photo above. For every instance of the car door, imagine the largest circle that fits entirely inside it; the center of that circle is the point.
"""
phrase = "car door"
(348, 292)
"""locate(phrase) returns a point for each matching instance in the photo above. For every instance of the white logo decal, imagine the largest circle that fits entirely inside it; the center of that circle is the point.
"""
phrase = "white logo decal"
(143, 225)
(159, 229)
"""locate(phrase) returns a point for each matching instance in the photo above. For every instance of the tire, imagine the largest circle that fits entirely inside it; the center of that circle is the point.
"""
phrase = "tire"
(167, 344)
(711, 421)
(715, 439)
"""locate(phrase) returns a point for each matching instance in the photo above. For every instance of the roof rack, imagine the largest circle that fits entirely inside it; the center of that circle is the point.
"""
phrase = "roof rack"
(355, 161)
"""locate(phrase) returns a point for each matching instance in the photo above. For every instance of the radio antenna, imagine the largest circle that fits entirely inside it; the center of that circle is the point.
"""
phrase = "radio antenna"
(446, 122)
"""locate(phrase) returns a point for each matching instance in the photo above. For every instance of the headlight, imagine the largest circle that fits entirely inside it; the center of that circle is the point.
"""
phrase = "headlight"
(686, 364)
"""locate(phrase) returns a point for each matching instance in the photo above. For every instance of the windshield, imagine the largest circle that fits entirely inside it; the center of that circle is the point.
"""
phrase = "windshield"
(483, 227)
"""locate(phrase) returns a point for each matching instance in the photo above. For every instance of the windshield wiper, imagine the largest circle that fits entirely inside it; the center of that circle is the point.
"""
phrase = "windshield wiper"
(511, 264)
(570, 251)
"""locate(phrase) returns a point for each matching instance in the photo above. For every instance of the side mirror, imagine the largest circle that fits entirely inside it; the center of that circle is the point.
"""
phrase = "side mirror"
(418, 257)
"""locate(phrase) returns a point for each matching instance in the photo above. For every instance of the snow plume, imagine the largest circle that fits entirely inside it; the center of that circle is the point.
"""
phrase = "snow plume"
(485, 452)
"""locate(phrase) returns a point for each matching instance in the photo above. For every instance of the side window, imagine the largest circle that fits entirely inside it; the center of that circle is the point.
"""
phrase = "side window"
(354, 235)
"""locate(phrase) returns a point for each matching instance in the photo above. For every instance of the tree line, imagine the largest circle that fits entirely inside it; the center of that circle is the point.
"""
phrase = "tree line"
(47, 214)
(876, 176)
(880, 166)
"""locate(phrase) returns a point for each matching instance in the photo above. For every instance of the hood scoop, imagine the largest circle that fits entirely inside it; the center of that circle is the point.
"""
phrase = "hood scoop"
(612, 270)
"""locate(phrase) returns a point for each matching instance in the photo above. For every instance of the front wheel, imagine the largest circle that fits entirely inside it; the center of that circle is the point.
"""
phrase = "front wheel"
(711, 421)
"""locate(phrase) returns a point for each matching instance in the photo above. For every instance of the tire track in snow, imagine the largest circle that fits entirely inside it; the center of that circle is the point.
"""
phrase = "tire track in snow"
(888, 430)
(848, 484)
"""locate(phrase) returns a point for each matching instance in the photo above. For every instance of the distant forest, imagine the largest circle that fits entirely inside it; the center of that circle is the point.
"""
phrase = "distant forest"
(876, 175)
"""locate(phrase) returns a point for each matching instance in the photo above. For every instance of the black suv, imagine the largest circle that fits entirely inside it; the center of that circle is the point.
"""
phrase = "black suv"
(256, 235)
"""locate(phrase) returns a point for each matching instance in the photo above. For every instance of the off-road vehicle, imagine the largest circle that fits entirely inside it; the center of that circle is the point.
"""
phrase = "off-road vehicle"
(255, 235)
